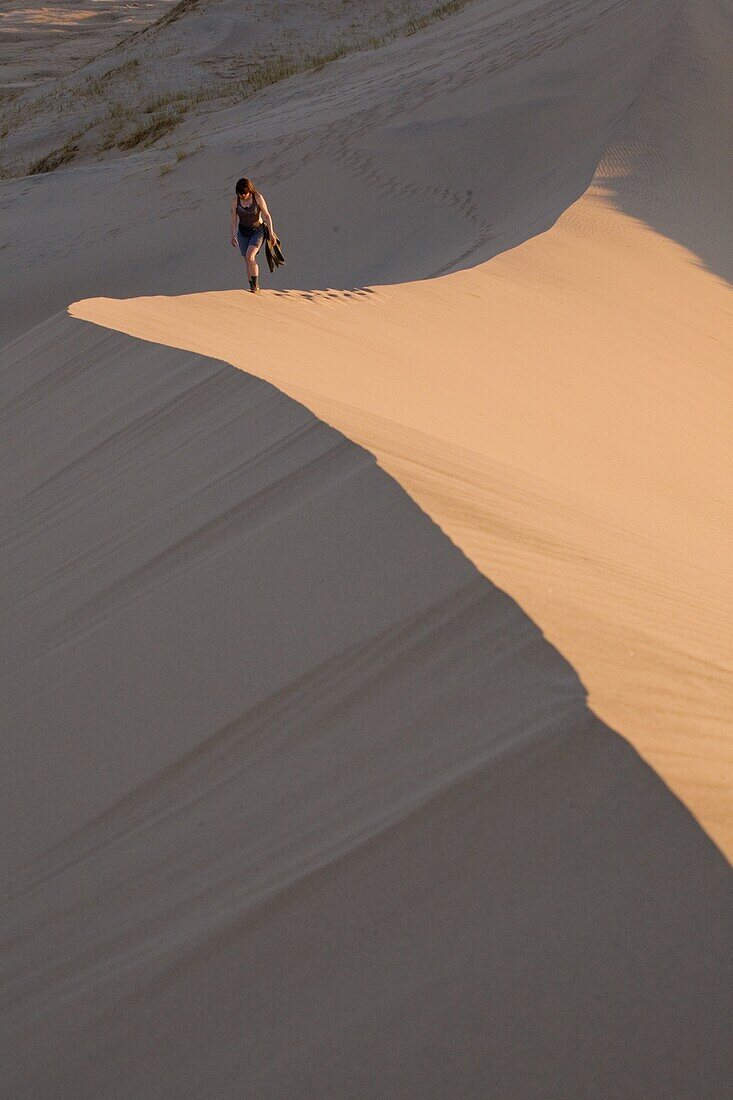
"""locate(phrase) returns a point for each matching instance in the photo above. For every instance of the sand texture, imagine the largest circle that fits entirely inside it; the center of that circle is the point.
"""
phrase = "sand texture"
(434, 153)
(562, 412)
(195, 57)
(43, 41)
(366, 664)
(322, 811)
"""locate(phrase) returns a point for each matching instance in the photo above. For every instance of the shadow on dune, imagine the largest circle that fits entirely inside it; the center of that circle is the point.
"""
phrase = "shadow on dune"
(295, 802)
(673, 166)
(299, 804)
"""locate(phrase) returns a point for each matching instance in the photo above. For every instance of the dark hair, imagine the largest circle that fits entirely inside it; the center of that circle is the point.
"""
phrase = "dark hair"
(245, 187)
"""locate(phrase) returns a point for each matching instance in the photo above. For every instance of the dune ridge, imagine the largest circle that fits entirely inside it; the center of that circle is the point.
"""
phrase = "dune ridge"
(307, 777)
(298, 791)
(197, 56)
(561, 413)
(489, 123)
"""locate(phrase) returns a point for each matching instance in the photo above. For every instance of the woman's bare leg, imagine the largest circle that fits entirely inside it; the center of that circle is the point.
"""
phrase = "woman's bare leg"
(251, 260)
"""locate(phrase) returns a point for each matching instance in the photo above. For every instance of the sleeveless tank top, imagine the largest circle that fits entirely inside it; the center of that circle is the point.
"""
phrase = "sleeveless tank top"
(249, 216)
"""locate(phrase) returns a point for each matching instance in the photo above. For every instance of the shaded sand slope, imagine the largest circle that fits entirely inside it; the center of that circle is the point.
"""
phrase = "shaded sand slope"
(562, 413)
(322, 813)
(433, 153)
(672, 164)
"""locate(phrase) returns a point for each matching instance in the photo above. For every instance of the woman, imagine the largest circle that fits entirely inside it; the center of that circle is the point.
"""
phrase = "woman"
(249, 216)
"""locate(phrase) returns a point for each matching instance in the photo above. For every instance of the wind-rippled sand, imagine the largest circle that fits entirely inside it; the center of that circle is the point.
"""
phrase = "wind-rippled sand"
(326, 776)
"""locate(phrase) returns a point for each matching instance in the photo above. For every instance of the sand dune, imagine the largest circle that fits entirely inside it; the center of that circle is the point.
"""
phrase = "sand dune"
(42, 41)
(198, 55)
(296, 800)
(562, 414)
(322, 812)
(431, 154)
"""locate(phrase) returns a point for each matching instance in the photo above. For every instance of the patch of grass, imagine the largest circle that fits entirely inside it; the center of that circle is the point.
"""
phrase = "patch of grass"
(98, 85)
(165, 169)
(278, 69)
(320, 62)
(441, 12)
(119, 110)
(175, 12)
(149, 132)
(54, 160)
(281, 68)
(170, 16)
(115, 116)
(128, 127)
(107, 141)
(164, 101)
(126, 67)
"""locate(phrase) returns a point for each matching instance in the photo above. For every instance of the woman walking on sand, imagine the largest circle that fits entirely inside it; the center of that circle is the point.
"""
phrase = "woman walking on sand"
(249, 217)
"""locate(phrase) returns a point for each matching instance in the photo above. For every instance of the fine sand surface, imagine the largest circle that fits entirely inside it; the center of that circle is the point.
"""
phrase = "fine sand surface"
(319, 812)
(322, 782)
(562, 413)
(433, 153)
(196, 56)
(46, 39)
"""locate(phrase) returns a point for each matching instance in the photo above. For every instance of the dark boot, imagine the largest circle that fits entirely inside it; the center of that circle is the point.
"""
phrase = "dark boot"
(254, 284)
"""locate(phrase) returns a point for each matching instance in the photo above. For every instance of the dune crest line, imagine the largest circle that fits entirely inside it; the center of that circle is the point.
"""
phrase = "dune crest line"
(304, 772)
(550, 456)
(558, 411)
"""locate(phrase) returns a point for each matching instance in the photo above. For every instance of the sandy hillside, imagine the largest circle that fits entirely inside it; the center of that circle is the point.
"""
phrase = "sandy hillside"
(196, 56)
(493, 137)
(394, 783)
(44, 41)
(560, 412)
(320, 813)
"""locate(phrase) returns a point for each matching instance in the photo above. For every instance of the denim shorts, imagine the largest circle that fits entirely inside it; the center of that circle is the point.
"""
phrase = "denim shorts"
(253, 237)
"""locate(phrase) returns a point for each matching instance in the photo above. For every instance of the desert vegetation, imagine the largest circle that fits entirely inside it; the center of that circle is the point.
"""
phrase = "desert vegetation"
(142, 89)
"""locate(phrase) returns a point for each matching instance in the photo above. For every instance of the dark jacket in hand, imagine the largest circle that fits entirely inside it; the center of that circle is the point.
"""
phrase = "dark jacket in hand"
(273, 251)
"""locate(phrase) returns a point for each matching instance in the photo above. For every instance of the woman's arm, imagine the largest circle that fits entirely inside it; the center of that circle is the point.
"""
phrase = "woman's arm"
(267, 216)
(234, 222)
